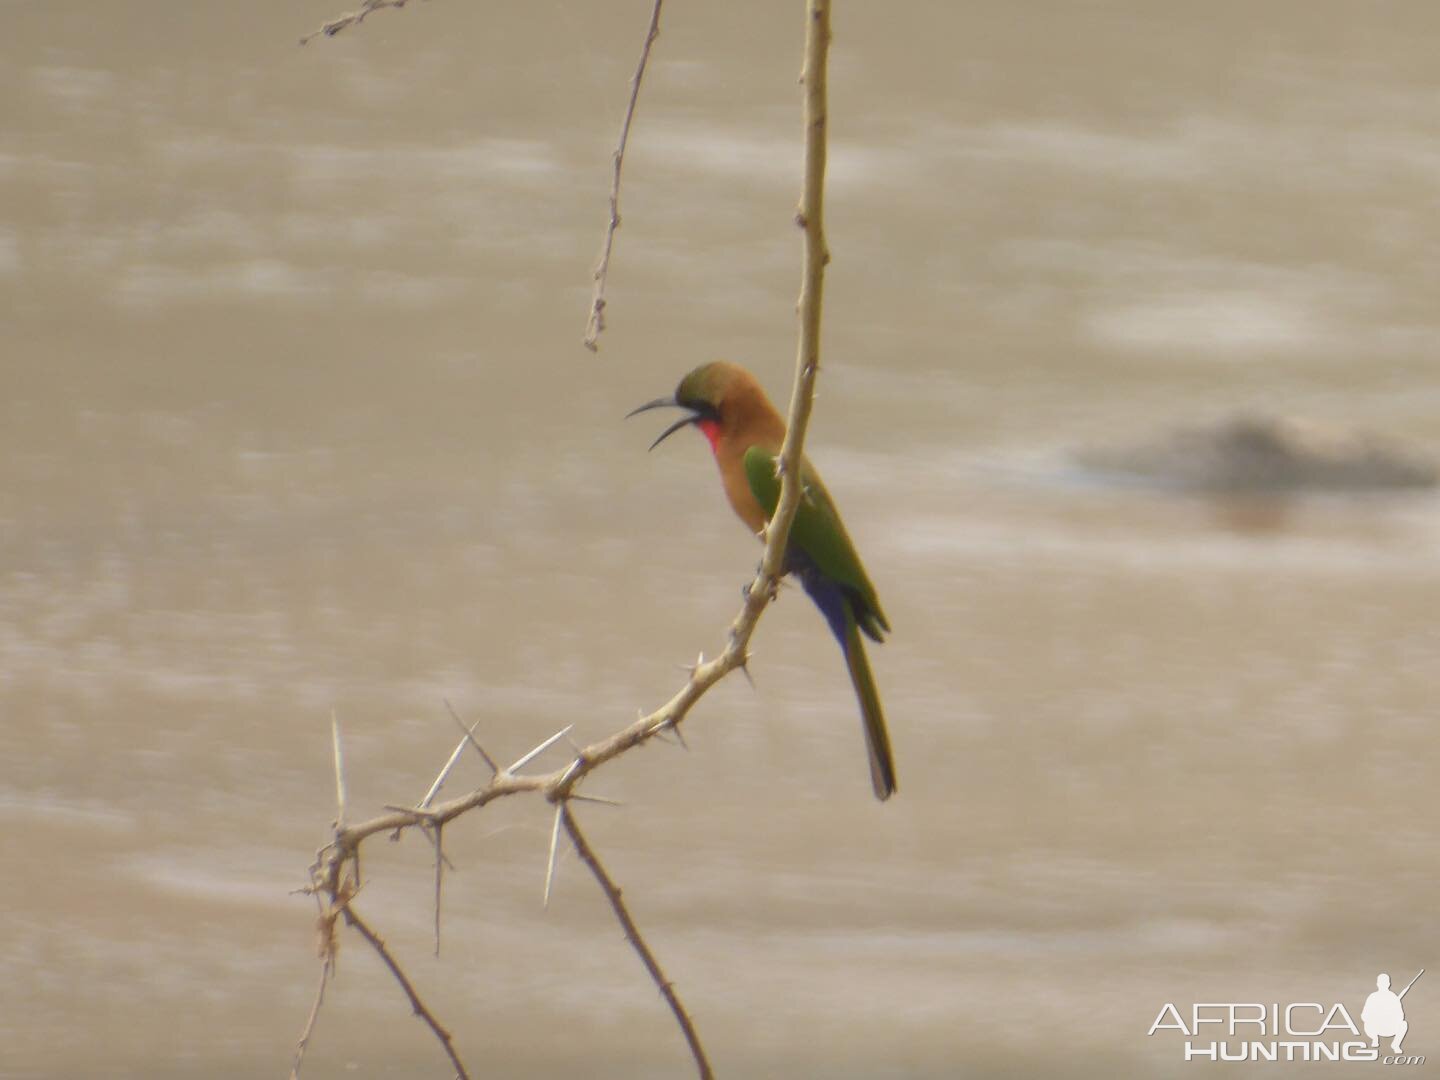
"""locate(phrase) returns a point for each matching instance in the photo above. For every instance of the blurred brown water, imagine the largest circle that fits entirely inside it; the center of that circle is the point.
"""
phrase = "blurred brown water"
(295, 418)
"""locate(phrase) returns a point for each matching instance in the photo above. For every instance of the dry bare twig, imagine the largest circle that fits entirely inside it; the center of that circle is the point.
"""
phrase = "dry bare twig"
(352, 18)
(327, 966)
(329, 878)
(418, 1007)
(596, 322)
(327, 948)
(632, 933)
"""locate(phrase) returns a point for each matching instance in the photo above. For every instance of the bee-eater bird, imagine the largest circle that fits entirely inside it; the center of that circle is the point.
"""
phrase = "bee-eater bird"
(729, 407)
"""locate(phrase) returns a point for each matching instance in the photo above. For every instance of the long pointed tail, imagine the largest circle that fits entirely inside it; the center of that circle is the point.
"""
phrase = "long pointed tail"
(877, 739)
(835, 605)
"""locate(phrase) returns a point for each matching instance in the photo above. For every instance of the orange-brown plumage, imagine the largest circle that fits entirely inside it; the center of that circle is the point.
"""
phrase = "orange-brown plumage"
(744, 417)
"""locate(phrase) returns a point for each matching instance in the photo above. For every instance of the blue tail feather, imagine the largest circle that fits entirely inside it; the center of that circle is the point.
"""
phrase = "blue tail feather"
(828, 596)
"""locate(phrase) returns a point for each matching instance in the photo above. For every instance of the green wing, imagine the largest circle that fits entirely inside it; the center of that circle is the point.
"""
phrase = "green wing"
(819, 532)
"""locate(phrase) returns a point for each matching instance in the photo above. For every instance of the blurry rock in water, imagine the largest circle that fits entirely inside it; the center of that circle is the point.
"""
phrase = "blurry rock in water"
(1267, 454)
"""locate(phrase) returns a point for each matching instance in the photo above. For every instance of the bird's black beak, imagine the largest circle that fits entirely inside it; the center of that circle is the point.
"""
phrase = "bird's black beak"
(666, 403)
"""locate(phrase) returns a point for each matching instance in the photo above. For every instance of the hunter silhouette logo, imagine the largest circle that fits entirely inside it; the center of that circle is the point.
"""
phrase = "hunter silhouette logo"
(1384, 1016)
(1299, 1031)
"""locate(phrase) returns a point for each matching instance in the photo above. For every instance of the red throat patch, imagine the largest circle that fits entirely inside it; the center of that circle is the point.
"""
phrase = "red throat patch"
(711, 428)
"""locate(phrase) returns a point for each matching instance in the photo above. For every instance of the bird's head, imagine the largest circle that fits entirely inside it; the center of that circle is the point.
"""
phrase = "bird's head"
(714, 397)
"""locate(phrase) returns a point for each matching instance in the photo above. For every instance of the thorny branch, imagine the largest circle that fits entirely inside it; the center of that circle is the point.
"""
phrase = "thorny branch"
(596, 323)
(330, 881)
(810, 218)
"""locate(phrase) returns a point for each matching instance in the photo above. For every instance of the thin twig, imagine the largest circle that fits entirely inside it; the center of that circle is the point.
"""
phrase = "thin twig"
(417, 1006)
(596, 322)
(352, 18)
(326, 967)
(327, 911)
(632, 932)
(812, 286)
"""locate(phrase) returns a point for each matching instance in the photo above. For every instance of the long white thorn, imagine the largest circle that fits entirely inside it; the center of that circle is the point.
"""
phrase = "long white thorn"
(533, 754)
(444, 774)
(595, 799)
(470, 738)
(339, 770)
(554, 852)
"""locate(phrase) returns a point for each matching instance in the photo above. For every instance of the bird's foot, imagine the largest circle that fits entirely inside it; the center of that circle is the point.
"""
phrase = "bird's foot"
(771, 592)
(772, 584)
